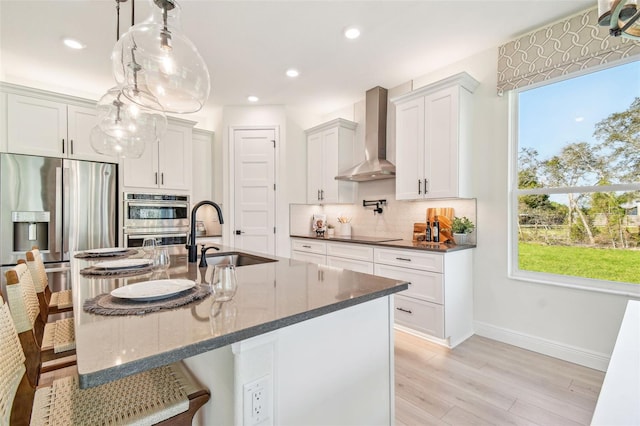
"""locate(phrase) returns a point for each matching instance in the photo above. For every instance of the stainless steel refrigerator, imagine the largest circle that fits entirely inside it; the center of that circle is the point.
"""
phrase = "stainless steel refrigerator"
(57, 204)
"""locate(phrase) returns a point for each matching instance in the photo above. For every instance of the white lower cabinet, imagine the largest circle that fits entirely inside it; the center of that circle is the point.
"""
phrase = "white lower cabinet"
(421, 316)
(350, 264)
(439, 301)
(309, 251)
(438, 304)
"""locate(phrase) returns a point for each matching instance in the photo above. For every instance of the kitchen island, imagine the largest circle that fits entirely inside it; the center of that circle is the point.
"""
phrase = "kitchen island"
(316, 342)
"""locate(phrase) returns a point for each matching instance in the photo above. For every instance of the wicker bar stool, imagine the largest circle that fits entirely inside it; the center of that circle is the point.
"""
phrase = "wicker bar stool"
(50, 302)
(167, 395)
(48, 342)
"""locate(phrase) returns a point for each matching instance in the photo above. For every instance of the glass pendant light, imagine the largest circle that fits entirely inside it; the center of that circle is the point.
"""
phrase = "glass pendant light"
(155, 58)
(124, 127)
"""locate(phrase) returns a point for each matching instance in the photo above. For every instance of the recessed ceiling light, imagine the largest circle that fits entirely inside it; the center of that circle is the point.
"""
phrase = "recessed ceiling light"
(352, 33)
(73, 44)
(253, 99)
(291, 72)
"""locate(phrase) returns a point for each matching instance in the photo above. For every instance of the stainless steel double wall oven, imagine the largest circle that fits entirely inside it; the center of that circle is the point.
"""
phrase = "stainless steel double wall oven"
(160, 216)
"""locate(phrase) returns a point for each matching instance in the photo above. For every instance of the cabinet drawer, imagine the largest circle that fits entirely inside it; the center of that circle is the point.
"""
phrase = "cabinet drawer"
(320, 259)
(424, 285)
(350, 264)
(432, 262)
(309, 246)
(350, 251)
(420, 316)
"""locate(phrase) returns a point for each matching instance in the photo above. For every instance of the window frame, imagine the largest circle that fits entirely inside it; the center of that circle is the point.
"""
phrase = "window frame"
(545, 278)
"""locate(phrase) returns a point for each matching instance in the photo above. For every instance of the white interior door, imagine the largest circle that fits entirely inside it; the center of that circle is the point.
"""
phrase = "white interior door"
(254, 189)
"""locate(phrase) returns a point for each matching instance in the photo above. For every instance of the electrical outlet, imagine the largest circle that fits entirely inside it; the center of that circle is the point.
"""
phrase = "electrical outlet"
(257, 401)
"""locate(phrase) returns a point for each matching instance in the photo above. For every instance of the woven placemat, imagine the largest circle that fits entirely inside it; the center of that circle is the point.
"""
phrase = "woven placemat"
(92, 271)
(117, 255)
(106, 304)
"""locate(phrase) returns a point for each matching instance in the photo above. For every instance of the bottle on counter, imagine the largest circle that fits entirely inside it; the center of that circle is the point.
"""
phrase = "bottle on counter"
(428, 232)
(435, 234)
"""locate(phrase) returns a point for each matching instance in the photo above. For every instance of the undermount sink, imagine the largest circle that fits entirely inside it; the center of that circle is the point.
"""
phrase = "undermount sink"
(236, 258)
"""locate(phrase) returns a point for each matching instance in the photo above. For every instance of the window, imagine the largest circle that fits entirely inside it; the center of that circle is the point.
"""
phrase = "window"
(576, 181)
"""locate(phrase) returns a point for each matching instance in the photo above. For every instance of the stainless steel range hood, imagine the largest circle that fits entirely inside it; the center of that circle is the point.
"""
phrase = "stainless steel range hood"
(375, 166)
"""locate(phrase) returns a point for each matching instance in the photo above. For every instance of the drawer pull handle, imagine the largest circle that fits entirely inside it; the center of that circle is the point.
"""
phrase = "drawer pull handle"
(403, 258)
(405, 310)
(306, 246)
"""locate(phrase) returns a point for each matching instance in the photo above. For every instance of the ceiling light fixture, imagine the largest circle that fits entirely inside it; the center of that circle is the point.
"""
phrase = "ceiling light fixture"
(124, 127)
(352, 33)
(291, 72)
(155, 57)
(621, 16)
(253, 98)
(73, 44)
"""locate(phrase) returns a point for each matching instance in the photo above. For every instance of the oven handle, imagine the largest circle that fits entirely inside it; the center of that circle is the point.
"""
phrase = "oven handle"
(142, 236)
(157, 204)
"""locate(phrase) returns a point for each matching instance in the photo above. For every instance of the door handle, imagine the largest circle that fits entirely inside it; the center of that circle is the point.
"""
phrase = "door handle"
(425, 185)
(71, 150)
(322, 194)
(156, 178)
(404, 310)
(239, 232)
(63, 145)
(318, 195)
(419, 187)
(162, 178)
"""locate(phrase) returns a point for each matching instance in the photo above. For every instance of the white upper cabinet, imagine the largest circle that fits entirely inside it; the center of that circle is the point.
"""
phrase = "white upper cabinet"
(50, 127)
(330, 150)
(202, 174)
(165, 164)
(432, 144)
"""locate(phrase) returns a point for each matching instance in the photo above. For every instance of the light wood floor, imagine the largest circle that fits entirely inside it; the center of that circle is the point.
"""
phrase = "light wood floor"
(483, 382)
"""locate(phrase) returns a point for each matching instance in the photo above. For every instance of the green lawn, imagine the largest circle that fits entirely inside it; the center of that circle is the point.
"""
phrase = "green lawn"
(603, 264)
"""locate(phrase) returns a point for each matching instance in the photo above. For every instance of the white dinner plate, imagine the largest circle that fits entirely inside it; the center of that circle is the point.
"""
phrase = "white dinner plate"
(152, 290)
(123, 264)
(106, 250)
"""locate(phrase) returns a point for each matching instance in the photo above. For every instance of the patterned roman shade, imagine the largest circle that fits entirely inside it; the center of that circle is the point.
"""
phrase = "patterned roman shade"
(571, 45)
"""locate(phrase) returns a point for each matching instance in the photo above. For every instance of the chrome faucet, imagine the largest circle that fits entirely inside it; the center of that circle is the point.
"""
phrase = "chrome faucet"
(192, 247)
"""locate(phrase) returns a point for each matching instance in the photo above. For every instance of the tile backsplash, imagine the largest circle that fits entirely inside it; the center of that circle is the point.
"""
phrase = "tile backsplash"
(395, 221)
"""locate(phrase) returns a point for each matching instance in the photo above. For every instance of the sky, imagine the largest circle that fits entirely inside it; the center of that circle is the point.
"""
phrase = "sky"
(565, 112)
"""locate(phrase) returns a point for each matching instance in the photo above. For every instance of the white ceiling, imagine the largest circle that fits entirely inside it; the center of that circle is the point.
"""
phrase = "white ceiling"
(248, 45)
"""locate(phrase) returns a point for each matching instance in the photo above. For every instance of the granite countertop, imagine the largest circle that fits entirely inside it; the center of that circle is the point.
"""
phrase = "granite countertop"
(390, 242)
(270, 296)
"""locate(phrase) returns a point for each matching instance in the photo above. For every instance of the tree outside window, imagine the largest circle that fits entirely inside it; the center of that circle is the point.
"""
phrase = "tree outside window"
(577, 179)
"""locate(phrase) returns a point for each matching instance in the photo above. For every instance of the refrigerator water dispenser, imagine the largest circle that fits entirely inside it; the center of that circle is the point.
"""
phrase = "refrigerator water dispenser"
(30, 229)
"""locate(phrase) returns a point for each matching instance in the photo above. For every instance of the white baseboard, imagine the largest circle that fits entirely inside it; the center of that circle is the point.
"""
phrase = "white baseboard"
(595, 360)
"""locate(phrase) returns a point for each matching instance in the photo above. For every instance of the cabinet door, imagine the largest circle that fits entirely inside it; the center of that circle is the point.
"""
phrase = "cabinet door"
(174, 164)
(203, 167)
(441, 143)
(143, 172)
(36, 126)
(350, 264)
(314, 167)
(80, 122)
(309, 257)
(410, 128)
(330, 154)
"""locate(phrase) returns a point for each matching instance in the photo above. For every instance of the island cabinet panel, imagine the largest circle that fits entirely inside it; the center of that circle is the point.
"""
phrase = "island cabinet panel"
(42, 124)
(330, 150)
(165, 163)
(432, 140)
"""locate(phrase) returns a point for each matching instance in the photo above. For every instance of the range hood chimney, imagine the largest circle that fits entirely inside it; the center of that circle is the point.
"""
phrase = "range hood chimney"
(375, 166)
